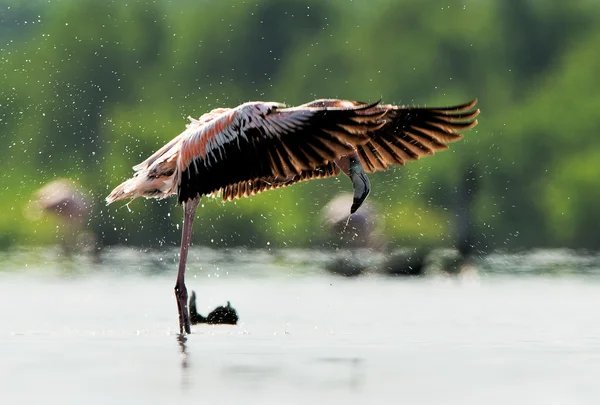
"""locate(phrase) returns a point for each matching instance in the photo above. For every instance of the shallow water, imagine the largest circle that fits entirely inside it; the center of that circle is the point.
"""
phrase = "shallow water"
(78, 332)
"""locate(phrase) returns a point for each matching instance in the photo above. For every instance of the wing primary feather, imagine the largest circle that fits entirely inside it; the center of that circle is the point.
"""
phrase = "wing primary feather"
(416, 148)
(427, 140)
(370, 155)
(276, 163)
(296, 157)
(285, 158)
(378, 161)
(386, 153)
(367, 164)
(398, 150)
(462, 107)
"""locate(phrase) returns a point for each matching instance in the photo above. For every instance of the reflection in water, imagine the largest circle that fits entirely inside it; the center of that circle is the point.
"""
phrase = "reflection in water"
(185, 373)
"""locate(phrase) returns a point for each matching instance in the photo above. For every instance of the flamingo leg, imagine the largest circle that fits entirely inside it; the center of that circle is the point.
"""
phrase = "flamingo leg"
(351, 166)
(189, 212)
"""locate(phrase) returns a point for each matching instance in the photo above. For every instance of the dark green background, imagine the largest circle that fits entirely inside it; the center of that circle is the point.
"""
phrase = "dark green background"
(90, 88)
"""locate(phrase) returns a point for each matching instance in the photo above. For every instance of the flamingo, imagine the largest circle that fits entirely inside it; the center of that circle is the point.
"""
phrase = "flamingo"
(71, 205)
(260, 146)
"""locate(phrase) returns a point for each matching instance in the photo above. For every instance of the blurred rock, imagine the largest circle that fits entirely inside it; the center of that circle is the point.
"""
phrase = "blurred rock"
(353, 237)
(405, 262)
(359, 230)
(351, 262)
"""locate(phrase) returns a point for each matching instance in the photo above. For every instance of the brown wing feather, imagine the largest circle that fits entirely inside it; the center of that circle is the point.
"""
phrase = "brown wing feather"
(412, 132)
(253, 187)
(256, 143)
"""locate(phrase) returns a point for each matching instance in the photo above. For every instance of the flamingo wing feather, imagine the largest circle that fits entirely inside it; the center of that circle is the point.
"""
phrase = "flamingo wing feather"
(252, 187)
(259, 146)
(263, 141)
(413, 132)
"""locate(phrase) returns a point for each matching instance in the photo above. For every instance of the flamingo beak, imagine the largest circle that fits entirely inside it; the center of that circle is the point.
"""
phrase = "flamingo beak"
(360, 182)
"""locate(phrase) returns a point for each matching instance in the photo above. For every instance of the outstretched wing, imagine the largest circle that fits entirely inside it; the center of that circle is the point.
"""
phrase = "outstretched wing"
(262, 141)
(412, 132)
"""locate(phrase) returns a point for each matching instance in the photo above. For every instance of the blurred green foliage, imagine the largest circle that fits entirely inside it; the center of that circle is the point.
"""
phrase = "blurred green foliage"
(90, 88)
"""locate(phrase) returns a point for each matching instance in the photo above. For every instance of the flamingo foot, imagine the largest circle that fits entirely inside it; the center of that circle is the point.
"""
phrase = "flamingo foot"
(184, 316)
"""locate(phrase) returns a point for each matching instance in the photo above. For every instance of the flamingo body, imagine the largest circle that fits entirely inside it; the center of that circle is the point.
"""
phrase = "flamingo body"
(258, 146)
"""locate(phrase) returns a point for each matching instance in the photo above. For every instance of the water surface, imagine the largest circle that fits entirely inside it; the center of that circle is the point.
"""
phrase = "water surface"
(78, 332)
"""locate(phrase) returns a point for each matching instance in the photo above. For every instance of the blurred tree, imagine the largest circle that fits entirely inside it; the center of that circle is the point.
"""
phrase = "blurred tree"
(91, 88)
